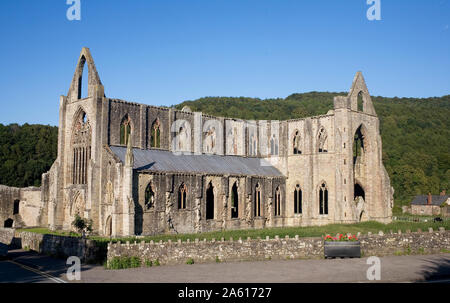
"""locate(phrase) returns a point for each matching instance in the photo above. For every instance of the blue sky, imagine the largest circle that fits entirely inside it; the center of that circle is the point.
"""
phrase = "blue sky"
(165, 52)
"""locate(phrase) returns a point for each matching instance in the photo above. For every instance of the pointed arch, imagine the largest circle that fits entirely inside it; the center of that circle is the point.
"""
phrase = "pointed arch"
(81, 146)
(182, 192)
(210, 201)
(155, 140)
(257, 201)
(149, 196)
(296, 148)
(298, 196)
(234, 201)
(323, 198)
(360, 102)
(361, 143)
(277, 201)
(75, 91)
(125, 129)
(274, 145)
(358, 191)
(322, 140)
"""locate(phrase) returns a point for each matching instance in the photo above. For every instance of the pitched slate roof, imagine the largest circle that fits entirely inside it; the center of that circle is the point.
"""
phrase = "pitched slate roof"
(436, 200)
(166, 161)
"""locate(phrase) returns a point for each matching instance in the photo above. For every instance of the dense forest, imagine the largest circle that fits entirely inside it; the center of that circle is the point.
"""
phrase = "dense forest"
(26, 152)
(415, 134)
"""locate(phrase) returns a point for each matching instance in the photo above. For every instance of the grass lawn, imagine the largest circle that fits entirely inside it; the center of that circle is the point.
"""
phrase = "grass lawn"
(310, 231)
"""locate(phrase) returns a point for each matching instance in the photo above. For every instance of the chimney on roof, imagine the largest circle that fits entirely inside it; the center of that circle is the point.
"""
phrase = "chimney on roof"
(429, 199)
(443, 192)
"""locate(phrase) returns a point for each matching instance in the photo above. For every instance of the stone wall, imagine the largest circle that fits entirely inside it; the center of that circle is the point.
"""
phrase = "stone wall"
(6, 235)
(29, 208)
(277, 248)
(58, 246)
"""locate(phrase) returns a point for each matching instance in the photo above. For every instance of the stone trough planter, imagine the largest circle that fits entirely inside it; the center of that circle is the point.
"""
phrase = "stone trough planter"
(342, 249)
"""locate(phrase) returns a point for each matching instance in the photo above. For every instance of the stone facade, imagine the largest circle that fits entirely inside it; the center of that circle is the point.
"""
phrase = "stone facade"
(311, 171)
(169, 253)
(21, 207)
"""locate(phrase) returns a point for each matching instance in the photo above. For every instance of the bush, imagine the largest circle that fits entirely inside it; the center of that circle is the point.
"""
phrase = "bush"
(157, 262)
(82, 225)
(148, 263)
(190, 261)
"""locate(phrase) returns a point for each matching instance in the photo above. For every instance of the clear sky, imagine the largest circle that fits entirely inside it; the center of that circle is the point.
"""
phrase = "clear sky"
(163, 52)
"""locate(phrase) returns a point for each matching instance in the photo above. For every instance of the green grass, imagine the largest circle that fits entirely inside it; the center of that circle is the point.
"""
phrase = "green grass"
(46, 231)
(309, 231)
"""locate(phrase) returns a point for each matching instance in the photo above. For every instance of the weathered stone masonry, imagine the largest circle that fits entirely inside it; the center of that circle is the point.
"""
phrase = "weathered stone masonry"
(118, 163)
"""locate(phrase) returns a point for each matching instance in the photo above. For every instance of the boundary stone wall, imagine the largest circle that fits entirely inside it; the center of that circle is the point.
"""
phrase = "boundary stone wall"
(54, 245)
(170, 253)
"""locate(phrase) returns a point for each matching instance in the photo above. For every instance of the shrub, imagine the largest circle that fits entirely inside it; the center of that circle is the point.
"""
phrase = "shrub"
(190, 261)
(135, 262)
(217, 259)
(157, 262)
(148, 263)
(82, 225)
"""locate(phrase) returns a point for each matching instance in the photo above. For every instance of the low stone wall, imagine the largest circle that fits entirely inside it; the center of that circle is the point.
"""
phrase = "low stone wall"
(6, 235)
(62, 246)
(58, 246)
(277, 248)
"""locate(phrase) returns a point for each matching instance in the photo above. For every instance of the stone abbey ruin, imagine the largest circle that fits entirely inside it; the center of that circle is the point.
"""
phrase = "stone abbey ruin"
(137, 169)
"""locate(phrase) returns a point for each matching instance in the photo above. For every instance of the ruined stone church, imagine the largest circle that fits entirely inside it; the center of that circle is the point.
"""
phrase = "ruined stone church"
(137, 169)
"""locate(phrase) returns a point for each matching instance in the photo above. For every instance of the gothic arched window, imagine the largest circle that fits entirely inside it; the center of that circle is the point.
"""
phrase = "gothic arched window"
(81, 148)
(322, 141)
(274, 146)
(210, 201)
(257, 205)
(296, 143)
(323, 199)
(278, 202)
(234, 201)
(156, 134)
(149, 196)
(297, 200)
(182, 192)
(125, 129)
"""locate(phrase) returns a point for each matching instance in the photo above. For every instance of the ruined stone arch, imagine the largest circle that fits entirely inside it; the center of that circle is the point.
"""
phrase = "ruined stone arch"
(75, 91)
(210, 201)
(322, 140)
(277, 201)
(182, 196)
(77, 205)
(323, 198)
(155, 138)
(81, 146)
(296, 142)
(298, 199)
(150, 196)
(126, 128)
(257, 206)
(235, 200)
(361, 144)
